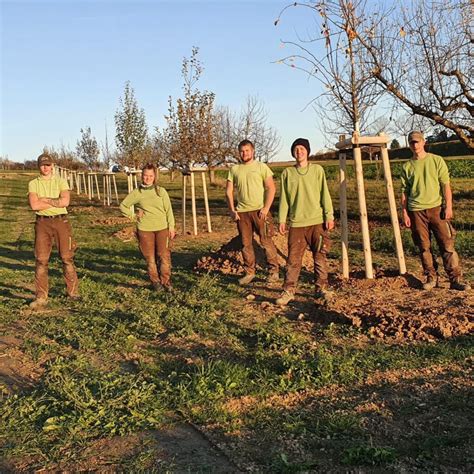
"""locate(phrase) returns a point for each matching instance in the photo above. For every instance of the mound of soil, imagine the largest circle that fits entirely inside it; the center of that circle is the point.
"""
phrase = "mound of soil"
(228, 259)
(396, 307)
(388, 306)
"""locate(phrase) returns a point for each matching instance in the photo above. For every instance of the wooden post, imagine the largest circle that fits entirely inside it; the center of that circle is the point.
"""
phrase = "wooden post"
(183, 206)
(343, 214)
(393, 211)
(369, 271)
(193, 204)
(97, 186)
(90, 191)
(115, 187)
(206, 202)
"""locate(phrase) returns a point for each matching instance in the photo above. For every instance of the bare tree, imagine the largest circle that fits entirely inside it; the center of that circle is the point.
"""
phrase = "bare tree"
(252, 125)
(422, 56)
(334, 56)
(87, 149)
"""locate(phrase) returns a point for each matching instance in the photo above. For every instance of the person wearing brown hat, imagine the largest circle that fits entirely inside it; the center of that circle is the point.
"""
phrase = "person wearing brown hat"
(255, 190)
(427, 207)
(305, 201)
(48, 196)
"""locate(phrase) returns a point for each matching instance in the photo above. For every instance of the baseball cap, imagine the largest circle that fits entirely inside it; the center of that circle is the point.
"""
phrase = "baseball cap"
(44, 159)
(415, 136)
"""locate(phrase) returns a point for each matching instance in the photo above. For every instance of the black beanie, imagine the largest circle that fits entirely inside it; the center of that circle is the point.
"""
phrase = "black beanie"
(300, 141)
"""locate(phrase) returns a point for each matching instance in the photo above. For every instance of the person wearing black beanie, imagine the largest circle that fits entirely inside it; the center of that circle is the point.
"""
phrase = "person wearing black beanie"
(306, 203)
(302, 142)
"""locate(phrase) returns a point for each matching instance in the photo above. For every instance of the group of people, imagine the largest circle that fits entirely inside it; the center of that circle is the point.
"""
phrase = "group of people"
(305, 210)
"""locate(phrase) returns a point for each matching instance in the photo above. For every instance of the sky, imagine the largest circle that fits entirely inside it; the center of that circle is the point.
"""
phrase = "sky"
(64, 65)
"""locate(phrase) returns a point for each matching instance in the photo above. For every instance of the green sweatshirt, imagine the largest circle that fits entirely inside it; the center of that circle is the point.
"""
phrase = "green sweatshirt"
(422, 180)
(304, 197)
(156, 206)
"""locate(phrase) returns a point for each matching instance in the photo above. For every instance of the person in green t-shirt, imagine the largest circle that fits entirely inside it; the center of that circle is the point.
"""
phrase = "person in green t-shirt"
(424, 184)
(252, 182)
(305, 201)
(155, 226)
(49, 197)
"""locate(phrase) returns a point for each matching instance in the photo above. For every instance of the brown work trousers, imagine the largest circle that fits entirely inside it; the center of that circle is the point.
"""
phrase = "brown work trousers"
(249, 223)
(428, 221)
(49, 230)
(319, 243)
(155, 247)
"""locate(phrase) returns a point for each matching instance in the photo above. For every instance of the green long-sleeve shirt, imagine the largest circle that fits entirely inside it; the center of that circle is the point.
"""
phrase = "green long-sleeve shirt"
(156, 206)
(304, 197)
(422, 181)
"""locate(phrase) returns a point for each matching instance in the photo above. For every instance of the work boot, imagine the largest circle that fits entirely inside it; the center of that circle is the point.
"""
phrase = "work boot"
(246, 279)
(457, 284)
(285, 297)
(324, 294)
(39, 303)
(430, 283)
(273, 277)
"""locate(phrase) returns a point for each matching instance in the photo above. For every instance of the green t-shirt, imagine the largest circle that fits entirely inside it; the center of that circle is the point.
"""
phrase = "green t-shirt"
(304, 197)
(249, 183)
(422, 181)
(49, 188)
(156, 206)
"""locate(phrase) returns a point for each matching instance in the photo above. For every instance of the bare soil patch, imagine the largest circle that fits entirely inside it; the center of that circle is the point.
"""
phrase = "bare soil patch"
(388, 306)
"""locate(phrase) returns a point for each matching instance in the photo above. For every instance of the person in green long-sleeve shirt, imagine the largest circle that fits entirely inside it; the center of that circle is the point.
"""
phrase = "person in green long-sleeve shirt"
(155, 226)
(306, 203)
(425, 185)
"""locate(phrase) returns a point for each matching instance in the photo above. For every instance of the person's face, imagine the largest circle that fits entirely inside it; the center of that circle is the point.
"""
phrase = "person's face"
(417, 146)
(148, 177)
(46, 170)
(301, 153)
(246, 153)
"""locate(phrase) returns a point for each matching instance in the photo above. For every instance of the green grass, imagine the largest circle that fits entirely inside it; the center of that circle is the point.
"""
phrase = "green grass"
(127, 359)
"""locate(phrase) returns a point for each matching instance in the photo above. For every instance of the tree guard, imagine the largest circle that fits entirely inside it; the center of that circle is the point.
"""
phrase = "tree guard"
(191, 173)
(354, 143)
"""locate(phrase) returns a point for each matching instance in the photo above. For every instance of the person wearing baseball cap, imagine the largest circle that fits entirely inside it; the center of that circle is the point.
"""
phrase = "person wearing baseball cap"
(49, 197)
(306, 203)
(427, 207)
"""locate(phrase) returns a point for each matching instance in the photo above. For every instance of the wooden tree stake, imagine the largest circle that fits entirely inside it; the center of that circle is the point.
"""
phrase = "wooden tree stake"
(193, 204)
(369, 272)
(393, 211)
(343, 214)
(206, 201)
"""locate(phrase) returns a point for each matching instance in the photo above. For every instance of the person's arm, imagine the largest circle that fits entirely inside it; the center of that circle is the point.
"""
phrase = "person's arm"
(229, 194)
(126, 206)
(448, 200)
(405, 216)
(169, 214)
(270, 191)
(43, 203)
(326, 204)
(283, 205)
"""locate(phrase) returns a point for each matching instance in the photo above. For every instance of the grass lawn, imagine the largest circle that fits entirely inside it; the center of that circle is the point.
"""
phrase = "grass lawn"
(205, 380)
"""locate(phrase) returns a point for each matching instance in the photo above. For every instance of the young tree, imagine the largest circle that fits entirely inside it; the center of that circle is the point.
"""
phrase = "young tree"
(189, 131)
(87, 149)
(131, 129)
(394, 144)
